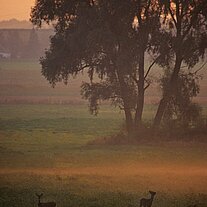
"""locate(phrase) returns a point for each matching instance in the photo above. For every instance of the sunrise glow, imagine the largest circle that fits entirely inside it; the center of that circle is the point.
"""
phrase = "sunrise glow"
(18, 9)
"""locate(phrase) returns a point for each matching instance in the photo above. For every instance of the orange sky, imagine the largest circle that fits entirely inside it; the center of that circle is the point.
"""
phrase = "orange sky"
(18, 9)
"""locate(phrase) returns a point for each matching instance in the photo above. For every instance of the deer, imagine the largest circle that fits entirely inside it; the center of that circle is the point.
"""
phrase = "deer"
(48, 204)
(147, 202)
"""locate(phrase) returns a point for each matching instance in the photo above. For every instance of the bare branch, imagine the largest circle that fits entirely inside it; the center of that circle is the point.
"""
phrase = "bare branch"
(84, 66)
(199, 69)
(150, 67)
(148, 84)
(184, 66)
(172, 15)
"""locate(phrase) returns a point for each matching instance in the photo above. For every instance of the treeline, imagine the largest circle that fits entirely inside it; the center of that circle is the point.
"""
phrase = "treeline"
(48, 100)
(24, 43)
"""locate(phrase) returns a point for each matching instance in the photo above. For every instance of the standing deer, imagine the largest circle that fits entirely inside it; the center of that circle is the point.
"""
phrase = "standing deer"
(48, 204)
(147, 202)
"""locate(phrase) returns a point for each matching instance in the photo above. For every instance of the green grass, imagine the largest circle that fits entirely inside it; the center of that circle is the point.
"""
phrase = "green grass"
(13, 65)
(33, 130)
(59, 118)
(28, 131)
(67, 194)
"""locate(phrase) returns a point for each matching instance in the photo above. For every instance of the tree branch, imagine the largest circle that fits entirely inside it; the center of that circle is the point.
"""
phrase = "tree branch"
(148, 84)
(150, 67)
(199, 69)
(193, 18)
(184, 66)
(172, 15)
(84, 66)
(146, 9)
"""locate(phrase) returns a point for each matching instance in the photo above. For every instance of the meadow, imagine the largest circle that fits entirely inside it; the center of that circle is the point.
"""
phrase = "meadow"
(46, 147)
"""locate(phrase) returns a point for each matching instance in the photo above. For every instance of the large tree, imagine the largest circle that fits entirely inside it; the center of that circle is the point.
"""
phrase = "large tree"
(186, 24)
(106, 38)
(110, 39)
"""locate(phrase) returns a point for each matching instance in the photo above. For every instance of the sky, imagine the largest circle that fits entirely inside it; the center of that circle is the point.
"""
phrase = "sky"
(18, 9)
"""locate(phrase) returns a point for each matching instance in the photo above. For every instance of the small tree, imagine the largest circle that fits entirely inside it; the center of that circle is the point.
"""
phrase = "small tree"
(181, 112)
(186, 22)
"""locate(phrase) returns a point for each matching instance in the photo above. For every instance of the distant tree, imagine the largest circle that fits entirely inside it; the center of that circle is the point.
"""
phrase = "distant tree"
(2, 42)
(32, 47)
(107, 38)
(186, 23)
(14, 43)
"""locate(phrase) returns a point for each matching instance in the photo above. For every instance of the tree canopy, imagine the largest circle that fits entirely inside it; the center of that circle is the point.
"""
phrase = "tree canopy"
(111, 40)
(187, 23)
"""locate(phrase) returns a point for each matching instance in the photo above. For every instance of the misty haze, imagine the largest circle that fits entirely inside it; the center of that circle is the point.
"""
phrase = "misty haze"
(103, 103)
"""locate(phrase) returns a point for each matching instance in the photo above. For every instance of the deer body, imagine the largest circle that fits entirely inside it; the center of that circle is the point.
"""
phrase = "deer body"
(147, 202)
(48, 204)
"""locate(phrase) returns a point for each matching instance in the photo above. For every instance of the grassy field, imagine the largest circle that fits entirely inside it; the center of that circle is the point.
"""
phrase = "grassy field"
(21, 82)
(45, 148)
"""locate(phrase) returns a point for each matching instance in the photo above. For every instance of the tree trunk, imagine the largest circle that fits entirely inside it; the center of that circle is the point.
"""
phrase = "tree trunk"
(174, 77)
(160, 111)
(140, 97)
(129, 121)
(169, 92)
(125, 98)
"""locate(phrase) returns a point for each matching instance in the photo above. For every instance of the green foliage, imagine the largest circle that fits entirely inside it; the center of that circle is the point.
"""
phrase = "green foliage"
(104, 91)
(95, 92)
(186, 27)
(180, 109)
